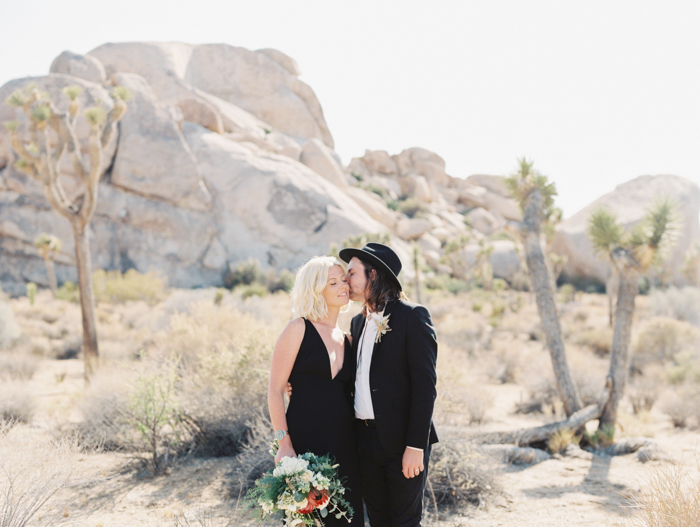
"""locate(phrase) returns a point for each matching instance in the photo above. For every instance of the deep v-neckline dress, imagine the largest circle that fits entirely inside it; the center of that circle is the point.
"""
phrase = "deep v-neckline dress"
(320, 416)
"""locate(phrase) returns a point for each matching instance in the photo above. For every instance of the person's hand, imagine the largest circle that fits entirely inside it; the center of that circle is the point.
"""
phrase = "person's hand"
(288, 390)
(412, 462)
(286, 449)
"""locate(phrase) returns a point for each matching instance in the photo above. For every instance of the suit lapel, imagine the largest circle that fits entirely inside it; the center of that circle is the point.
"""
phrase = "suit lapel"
(388, 310)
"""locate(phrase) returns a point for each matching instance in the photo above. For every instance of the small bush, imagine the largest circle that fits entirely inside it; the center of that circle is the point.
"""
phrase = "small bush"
(9, 330)
(661, 338)
(17, 366)
(603, 437)
(681, 304)
(245, 273)
(642, 394)
(684, 367)
(17, 403)
(113, 286)
(478, 404)
(458, 476)
(68, 292)
(599, 340)
(282, 282)
(560, 440)
(32, 470)
(567, 293)
(411, 207)
(253, 290)
(681, 405)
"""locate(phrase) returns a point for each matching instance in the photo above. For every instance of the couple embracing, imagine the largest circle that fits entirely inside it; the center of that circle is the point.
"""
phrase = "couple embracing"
(366, 398)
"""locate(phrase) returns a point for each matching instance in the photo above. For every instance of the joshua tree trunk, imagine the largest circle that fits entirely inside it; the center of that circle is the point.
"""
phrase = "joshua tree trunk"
(611, 285)
(87, 297)
(51, 273)
(619, 355)
(541, 285)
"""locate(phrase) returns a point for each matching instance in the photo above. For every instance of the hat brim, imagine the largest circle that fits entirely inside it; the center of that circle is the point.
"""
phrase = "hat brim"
(349, 253)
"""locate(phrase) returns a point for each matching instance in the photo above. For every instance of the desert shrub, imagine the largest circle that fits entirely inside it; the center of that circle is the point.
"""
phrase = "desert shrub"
(499, 284)
(68, 292)
(113, 286)
(561, 439)
(255, 457)
(599, 340)
(17, 402)
(567, 293)
(225, 357)
(17, 366)
(671, 498)
(245, 273)
(589, 384)
(411, 207)
(541, 396)
(32, 470)
(478, 403)
(443, 282)
(681, 405)
(459, 475)
(642, 394)
(280, 282)
(603, 437)
(661, 338)
(255, 289)
(104, 407)
(9, 330)
(681, 304)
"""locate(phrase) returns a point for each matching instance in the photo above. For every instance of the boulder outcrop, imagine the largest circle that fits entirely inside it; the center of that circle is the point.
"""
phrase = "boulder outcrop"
(629, 202)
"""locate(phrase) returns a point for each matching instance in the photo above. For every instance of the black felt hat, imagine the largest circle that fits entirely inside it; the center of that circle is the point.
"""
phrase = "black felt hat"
(379, 255)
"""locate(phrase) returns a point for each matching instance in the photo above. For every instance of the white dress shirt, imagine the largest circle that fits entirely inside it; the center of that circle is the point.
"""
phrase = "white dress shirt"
(363, 393)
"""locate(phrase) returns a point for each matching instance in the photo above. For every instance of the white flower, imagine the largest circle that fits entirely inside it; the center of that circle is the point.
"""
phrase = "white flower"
(295, 522)
(290, 466)
(307, 476)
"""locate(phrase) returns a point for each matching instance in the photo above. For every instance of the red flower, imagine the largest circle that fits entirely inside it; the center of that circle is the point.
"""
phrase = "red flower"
(317, 499)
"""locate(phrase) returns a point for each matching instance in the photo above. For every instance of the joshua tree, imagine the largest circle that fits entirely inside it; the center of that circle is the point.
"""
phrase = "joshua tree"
(49, 135)
(631, 253)
(48, 245)
(536, 197)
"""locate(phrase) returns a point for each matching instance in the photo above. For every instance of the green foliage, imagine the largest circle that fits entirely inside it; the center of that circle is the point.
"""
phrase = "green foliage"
(95, 115)
(605, 231)
(360, 240)
(11, 126)
(153, 410)
(603, 437)
(68, 292)
(47, 243)
(31, 292)
(17, 99)
(525, 180)
(122, 93)
(444, 282)
(499, 284)
(567, 293)
(245, 273)
(72, 92)
(379, 191)
(40, 113)
(113, 286)
(282, 282)
(255, 289)
(411, 207)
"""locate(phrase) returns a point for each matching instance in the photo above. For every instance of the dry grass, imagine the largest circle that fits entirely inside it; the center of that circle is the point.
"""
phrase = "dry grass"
(598, 340)
(681, 405)
(560, 440)
(671, 498)
(17, 402)
(32, 470)
(9, 329)
(113, 286)
(681, 304)
(17, 366)
(661, 338)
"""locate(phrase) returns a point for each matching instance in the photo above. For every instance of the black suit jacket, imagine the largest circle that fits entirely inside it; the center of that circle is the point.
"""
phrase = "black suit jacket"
(402, 376)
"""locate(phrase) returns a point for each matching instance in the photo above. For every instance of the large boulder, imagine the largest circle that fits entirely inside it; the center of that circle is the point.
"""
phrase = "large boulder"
(629, 201)
(257, 83)
(81, 66)
(322, 160)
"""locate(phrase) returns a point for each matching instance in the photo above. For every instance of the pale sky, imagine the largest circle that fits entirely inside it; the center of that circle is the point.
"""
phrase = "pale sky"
(595, 92)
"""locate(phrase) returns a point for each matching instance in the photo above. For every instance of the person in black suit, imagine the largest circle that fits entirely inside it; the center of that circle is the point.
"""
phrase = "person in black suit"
(394, 347)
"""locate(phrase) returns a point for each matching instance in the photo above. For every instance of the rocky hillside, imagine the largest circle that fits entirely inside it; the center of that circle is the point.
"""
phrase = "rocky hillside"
(224, 155)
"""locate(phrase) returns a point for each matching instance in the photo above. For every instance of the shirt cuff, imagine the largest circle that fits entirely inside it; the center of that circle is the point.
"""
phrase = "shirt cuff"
(414, 448)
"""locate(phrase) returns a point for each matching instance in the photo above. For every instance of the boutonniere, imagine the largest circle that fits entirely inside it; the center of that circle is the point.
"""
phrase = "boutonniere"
(382, 328)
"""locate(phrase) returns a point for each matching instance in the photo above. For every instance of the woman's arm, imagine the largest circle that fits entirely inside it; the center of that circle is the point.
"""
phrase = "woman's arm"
(283, 357)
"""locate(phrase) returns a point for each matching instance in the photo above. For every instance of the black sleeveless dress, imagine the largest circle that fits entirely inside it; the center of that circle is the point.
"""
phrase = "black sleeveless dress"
(321, 417)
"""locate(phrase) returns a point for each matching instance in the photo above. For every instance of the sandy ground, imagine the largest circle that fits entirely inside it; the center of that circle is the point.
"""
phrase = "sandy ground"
(109, 490)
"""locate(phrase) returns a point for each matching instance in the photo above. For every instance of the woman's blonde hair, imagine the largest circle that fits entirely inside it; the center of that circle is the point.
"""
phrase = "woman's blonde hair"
(311, 280)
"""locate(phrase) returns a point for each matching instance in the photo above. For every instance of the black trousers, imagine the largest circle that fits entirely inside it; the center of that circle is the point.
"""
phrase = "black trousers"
(391, 499)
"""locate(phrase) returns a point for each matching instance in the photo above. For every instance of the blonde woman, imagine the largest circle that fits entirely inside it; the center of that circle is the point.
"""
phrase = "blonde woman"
(316, 357)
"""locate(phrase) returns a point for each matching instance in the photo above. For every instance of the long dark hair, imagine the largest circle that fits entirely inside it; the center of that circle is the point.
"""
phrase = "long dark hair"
(380, 289)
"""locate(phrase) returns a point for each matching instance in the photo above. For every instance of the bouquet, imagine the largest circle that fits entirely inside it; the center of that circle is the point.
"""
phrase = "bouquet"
(303, 490)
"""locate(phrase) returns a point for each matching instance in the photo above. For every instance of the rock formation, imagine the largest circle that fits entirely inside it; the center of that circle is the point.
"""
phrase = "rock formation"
(629, 201)
(224, 155)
